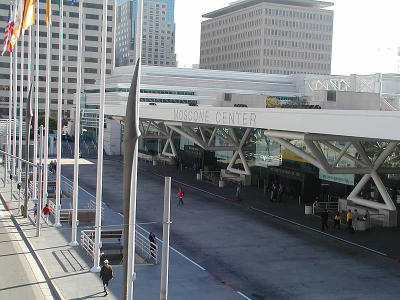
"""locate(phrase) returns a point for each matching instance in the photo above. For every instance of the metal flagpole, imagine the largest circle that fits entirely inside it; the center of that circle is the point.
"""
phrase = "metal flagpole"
(21, 105)
(10, 101)
(15, 107)
(77, 130)
(47, 109)
(39, 209)
(165, 243)
(99, 186)
(36, 113)
(59, 115)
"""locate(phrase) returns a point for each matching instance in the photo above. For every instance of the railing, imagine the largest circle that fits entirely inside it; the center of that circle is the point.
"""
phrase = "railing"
(143, 247)
(87, 243)
(146, 249)
(376, 220)
(321, 206)
(67, 188)
(211, 176)
(92, 206)
(52, 207)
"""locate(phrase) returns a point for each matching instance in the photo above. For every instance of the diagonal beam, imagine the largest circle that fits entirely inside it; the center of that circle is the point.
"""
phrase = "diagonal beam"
(344, 150)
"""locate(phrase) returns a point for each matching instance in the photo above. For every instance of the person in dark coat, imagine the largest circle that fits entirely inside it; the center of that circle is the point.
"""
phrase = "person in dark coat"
(153, 244)
(324, 220)
(106, 274)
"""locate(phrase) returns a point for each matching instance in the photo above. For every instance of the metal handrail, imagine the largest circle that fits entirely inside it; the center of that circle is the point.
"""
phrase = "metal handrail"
(330, 206)
(87, 243)
(92, 207)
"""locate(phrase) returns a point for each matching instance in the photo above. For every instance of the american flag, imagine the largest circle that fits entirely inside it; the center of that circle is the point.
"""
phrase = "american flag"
(8, 33)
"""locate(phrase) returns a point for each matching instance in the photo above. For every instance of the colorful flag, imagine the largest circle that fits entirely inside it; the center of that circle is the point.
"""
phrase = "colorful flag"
(8, 33)
(18, 22)
(48, 13)
(29, 14)
(61, 7)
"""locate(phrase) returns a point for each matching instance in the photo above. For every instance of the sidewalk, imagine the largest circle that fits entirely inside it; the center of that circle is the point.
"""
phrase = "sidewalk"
(378, 239)
(67, 269)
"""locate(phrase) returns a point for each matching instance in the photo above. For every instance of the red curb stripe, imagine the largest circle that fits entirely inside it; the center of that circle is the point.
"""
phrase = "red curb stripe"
(219, 280)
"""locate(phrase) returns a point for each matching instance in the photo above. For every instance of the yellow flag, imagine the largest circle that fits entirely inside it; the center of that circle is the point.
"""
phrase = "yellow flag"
(48, 13)
(18, 22)
(29, 14)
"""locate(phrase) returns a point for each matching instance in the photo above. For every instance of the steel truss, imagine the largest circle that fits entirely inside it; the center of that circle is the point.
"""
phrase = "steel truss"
(203, 136)
(363, 164)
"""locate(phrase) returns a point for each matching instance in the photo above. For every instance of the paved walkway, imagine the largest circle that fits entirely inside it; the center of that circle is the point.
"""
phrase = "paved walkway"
(66, 269)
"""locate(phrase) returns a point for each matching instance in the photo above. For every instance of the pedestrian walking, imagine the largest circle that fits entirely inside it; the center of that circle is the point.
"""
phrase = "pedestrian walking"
(180, 196)
(355, 220)
(316, 206)
(271, 197)
(238, 191)
(46, 212)
(35, 211)
(324, 220)
(280, 192)
(106, 274)
(349, 219)
(153, 244)
(336, 221)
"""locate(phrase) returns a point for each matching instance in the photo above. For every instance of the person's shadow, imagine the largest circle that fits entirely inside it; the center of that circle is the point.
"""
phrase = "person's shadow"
(96, 295)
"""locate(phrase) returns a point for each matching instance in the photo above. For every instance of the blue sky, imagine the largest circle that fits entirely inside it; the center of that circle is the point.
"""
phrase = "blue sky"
(366, 34)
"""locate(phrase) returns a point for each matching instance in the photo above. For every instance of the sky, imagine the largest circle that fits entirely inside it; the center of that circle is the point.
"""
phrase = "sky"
(366, 34)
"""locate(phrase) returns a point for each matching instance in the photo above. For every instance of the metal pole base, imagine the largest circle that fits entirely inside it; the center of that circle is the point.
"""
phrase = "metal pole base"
(95, 269)
(74, 244)
(58, 225)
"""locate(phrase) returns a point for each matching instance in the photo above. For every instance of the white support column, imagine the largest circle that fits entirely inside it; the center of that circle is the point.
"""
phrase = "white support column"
(186, 135)
(344, 150)
(59, 118)
(47, 108)
(165, 241)
(319, 156)
(169, 142)
(75, 196)
(39, 202)
(15, 98)
(379, 184)
(100, 139)
(21, 106)
(10, 103)
(239, 152)
(334, 148)
(296, 150)
(36, 123)
(212, 137)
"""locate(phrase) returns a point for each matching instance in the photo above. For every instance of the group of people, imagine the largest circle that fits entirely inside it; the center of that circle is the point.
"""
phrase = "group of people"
(352, 219)
(45, 210)
(276, 193)
(53, 166)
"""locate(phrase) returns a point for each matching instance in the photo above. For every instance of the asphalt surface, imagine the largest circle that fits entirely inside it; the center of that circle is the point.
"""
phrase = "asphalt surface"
(254, 253)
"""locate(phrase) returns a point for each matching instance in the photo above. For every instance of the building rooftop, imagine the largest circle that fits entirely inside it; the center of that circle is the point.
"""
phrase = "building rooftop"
(237, 5)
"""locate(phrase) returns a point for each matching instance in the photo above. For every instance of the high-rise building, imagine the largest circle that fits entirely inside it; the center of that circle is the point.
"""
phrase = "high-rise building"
(158, 33)
(91, 58)
(269, 36)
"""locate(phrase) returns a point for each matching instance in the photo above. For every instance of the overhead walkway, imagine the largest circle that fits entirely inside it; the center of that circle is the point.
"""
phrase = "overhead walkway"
(303, 132)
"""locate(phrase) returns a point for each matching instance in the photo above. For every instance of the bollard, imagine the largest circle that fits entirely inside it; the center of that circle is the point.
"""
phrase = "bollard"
(221, 183)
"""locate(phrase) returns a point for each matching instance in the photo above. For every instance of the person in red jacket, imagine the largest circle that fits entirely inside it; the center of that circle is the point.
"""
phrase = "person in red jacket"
(46, 212)
(180, 196)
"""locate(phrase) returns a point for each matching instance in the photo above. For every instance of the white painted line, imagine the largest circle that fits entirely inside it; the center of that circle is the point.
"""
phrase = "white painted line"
(244, 296)
(173, 249)
(320, 232)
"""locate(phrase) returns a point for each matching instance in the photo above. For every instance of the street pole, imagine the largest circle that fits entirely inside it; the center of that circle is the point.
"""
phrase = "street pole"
(15, 106)
(47, 108)
(77, 131)
(36, 124)
(10, 101)
(59, 119)
(165, 242)
(39, 211)
(21, 106)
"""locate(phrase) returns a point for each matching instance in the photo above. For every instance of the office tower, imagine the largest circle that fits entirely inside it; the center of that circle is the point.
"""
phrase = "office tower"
(158, 33)
(91, 62)
(268, 36)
